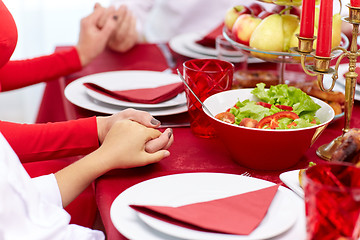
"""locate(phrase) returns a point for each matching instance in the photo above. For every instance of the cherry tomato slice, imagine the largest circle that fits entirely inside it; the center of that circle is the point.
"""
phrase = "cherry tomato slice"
(226, 117)
(248, 122)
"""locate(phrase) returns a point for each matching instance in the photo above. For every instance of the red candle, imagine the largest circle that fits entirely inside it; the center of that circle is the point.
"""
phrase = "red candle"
(355, 3)
(307, 19)
(323, 46)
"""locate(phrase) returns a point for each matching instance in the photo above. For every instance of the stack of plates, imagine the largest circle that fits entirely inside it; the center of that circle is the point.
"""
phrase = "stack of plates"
(185, 44)
(83, 97)
(285, 218)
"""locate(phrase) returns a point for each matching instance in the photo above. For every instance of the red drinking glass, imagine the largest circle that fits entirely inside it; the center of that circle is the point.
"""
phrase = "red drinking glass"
(332, 201)
(205, 77)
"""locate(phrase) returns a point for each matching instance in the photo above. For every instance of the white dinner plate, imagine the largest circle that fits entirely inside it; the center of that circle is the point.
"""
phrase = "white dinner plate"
(291, 179)
(184, 44)
(127, 80)
(181, 189)
(343, 68)
(75, 92)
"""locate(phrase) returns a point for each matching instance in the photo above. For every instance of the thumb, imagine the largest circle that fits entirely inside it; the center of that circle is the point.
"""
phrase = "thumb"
(157, 156)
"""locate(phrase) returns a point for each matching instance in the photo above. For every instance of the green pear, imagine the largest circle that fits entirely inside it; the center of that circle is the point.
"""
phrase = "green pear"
(290, 23)
(268, 35)
(294, 41)
(316, 20)
(336, 30)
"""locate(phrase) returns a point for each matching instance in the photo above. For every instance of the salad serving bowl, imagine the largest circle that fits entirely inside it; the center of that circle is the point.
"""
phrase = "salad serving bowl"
(263, 149)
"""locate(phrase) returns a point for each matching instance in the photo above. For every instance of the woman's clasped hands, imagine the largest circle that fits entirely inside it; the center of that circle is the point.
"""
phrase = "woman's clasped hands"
(106, 27)
(129, 139)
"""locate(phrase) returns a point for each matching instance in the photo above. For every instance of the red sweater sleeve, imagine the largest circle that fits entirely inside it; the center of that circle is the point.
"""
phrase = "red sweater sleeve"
(22, 73)
(35, 142)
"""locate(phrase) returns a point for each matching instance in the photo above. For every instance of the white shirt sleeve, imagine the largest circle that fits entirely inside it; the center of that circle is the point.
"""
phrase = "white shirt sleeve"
(47, 186)
(26, 212)
(161, 20)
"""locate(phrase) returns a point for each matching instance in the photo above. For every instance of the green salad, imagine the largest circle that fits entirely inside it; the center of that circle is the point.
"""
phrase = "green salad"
(280, 107)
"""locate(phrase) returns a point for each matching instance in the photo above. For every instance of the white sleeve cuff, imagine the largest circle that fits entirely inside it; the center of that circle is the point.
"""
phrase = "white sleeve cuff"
(49, 189)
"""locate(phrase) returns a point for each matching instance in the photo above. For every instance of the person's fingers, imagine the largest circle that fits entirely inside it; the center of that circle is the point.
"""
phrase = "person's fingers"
(120, 13)
(151, 133)
(141, 117)
(109, 27)
(97, 5)
(107, 14)
(156, 156)
(96, 14)
(159, 143)
(123, 26)
(130, 38)
(171, 139)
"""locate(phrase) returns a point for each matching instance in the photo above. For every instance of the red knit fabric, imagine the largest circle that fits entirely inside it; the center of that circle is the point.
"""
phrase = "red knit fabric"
(36, 142)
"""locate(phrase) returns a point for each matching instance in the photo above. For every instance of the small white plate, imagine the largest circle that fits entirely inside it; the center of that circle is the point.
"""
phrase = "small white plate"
(127, 80)
(197, 187)
(184, 44)
(291, 179)
(75, 92)
(192, 44)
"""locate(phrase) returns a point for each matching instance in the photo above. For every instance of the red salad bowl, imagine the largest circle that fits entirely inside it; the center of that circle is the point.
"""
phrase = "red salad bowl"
(263, 149)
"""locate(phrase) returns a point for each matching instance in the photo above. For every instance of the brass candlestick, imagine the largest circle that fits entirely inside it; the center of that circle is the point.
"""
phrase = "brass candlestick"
(322, 66)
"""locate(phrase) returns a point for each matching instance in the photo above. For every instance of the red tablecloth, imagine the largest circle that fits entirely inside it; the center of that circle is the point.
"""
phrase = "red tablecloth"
(188, 153)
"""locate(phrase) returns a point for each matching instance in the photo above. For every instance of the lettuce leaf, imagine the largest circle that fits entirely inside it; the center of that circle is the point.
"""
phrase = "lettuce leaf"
(281, 94)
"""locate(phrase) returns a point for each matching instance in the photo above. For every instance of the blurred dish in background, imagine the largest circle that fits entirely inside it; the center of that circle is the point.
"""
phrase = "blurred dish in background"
(185, 44)
(249, 78)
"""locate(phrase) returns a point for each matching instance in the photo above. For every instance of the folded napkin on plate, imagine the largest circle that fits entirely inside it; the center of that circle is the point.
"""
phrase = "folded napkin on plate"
(209, 40)
(239, 214)
(142, 95)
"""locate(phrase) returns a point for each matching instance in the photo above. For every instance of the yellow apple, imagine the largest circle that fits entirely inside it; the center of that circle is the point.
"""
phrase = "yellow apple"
(233, 13)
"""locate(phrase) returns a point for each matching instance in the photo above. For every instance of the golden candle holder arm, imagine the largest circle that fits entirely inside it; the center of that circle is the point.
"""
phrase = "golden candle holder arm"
(322, 66)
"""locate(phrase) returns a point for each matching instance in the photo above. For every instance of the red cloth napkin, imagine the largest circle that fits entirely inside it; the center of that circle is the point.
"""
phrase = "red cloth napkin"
(239, 214)
(142, 95)
(210, 39)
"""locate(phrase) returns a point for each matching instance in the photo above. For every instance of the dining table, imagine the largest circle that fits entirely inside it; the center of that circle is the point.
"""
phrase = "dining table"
(188, 153)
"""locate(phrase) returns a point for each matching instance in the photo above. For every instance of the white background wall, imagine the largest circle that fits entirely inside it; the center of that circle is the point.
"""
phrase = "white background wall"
(42, 25)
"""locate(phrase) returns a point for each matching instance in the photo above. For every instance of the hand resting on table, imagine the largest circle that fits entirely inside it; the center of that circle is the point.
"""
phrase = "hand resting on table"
(163, 141)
